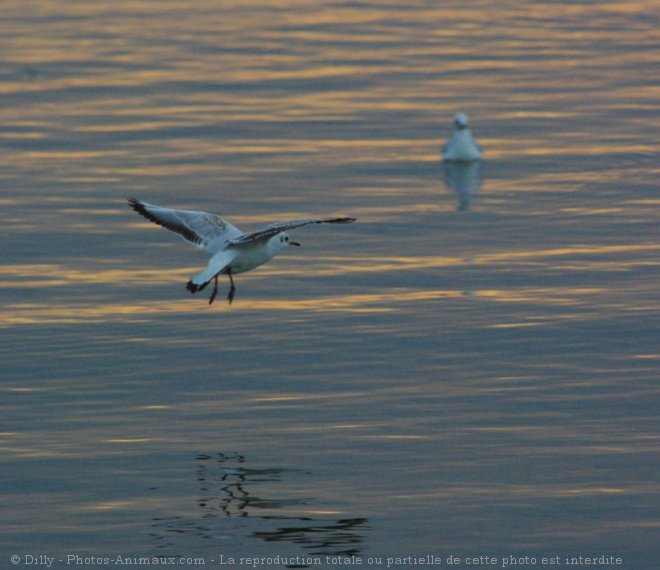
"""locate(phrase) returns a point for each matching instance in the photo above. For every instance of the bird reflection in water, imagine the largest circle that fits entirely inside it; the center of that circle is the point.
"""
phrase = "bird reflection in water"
(464, 178)
(233, 482)
(229, 488)
(331, 538)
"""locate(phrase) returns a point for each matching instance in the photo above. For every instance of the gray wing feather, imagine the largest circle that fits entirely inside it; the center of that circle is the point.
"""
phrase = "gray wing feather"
(199, 228)
(273, 229)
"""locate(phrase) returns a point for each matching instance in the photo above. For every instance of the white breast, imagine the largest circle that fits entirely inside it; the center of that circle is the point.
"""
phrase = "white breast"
(461, 146)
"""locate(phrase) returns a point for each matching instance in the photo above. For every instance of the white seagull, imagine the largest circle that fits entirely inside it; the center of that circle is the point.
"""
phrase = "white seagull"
(232, 251)
(461, 145)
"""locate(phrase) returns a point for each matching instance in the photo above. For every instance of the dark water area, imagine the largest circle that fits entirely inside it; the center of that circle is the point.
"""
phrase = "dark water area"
(469, 371)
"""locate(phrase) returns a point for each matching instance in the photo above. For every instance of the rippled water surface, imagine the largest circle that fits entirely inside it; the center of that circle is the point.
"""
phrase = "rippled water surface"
(471, 369)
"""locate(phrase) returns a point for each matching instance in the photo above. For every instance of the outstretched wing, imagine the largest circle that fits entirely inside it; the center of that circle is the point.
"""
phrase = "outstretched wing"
(279, 227)
(199, 228)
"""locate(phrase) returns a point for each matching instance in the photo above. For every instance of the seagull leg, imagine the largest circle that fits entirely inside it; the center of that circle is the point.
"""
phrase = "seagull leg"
(232, 289)
(215, 291)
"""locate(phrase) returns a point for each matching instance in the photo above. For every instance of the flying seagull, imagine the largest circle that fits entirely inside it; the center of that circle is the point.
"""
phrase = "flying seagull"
(461, 146)
(232, 251)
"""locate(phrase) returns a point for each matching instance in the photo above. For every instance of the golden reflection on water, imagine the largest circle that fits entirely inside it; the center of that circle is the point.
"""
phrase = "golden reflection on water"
(108, 506)
(36, 275)
(579, 258)
(132, 440)
(379, 301)
(505, 493)
(17, 314)
(322, 47)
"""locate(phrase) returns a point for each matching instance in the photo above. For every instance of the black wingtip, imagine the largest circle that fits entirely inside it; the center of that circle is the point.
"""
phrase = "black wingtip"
(136, 205)
(141, 209)
(336, 221)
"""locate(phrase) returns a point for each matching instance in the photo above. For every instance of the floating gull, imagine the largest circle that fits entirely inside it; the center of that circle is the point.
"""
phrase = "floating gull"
(232, 251)
(461, 145)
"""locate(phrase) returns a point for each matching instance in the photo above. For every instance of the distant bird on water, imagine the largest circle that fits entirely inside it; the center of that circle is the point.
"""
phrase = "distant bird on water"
(232, 251)
(461, 145)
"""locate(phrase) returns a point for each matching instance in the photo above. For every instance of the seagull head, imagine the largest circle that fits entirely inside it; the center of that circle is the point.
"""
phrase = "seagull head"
(460, 121)
(286, 241)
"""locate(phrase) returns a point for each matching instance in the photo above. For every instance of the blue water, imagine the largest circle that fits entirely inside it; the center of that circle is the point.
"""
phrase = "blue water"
(468, 371)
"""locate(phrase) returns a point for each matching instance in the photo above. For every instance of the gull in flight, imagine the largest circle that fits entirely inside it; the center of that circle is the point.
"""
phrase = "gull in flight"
(232, 251)
(461, 145)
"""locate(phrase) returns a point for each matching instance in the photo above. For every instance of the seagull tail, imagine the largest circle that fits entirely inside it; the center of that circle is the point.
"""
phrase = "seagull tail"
(216, 264)
(198, 282)
(194, 287)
